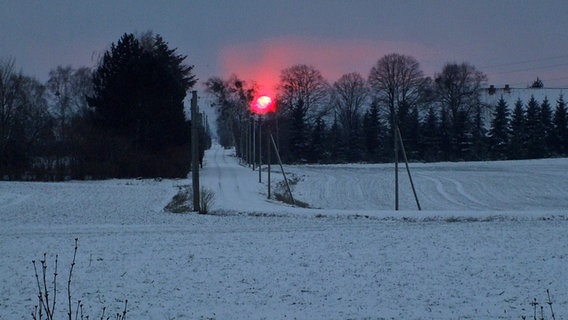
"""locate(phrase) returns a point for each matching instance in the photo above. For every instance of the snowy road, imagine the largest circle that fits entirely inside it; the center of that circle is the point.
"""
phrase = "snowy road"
(236, 187)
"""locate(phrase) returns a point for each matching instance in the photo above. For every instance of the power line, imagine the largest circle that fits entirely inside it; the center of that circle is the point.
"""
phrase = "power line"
(532, 68)
(524, 62)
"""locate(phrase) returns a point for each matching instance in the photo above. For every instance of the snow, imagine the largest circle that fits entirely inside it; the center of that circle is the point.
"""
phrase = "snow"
(492, 236)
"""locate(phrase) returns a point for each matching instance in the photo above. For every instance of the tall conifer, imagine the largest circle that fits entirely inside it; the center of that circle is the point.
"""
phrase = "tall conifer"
(499, 132)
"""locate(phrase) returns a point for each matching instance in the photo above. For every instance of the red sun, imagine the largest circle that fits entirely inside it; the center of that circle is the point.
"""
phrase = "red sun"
(263, 105)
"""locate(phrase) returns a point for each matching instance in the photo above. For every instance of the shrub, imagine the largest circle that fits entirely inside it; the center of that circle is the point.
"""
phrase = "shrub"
(47, 297)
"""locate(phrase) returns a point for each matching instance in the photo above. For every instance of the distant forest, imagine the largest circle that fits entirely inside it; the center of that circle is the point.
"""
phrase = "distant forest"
(355, 119)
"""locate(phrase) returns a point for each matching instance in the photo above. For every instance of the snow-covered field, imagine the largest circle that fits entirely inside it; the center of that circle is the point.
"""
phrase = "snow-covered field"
(492, 237)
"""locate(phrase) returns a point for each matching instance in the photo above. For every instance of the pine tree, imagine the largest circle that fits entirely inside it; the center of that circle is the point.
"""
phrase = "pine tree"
(479, 148)
(534, 130)
(335, 143)
(411, 133)
(430, 137)
(547, 126)
(317, 150)
(354, 141)
(517, 143)
(139, 90)
(500, 131)
(560, 131)
(372, 133)
(298, 133)
(445, 136)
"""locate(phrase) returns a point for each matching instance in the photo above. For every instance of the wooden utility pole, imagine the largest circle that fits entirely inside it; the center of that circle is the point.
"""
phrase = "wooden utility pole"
(282, 169)
(259, 149)
(253, 144)
(408, 168)
(268, 160)
(195, 150)
(395, 139)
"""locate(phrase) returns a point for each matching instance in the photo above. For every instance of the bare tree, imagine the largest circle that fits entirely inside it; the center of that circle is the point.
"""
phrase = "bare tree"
(350, 94)
(457, 90)
(23, 120)
(8, 94)
(60, 87)
(304, 86)
(397, 82)
(232, 98)
(82, 87)
(68, 89)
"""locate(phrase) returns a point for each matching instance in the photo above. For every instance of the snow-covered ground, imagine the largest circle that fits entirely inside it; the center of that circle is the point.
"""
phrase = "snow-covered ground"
(491, 237)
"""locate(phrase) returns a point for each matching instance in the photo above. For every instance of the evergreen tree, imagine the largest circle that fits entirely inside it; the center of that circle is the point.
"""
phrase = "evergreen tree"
(461, 138)
(534, 130)
(335, 143)
(547, 126)
(317, 150)
(298, 133)
(445, 136)
(354, 141)
(139, 89)
(430, 137)
(411, 133)
(478, 137)
(457, 90)
(517, 145)
(499, 132)
(560, 131)
(372, 133)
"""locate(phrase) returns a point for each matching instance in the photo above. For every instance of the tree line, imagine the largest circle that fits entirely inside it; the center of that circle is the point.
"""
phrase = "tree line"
(355, 119)
(125, 118)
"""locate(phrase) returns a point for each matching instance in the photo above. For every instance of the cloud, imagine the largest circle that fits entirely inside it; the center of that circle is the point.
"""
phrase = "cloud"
(263, 61)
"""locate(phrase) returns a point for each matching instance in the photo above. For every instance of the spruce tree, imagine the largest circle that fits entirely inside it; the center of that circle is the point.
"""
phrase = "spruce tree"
(430, 137)
(479, 148)
(298, 133)
(499, 132)
(335, 143)
(317, 150)
(560, 130)
(547, 126)
(354, 141)
(445, 136)
(517, 143)
(138, 102)
(412, 133)
(534, 130)
(372, 133)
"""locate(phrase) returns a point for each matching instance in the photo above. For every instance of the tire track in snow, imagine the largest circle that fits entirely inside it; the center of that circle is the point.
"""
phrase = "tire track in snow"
(460, 189)
(441, 190)
(235, 186)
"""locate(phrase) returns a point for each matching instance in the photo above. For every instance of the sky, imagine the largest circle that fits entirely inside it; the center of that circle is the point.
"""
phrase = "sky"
(513, 42)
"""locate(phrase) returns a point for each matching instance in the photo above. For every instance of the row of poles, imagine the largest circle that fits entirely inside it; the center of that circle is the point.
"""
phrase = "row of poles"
(252, 151)
(249, 144)
(256, 163)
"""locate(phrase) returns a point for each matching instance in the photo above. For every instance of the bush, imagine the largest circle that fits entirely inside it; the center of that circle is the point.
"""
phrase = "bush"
(47, 297)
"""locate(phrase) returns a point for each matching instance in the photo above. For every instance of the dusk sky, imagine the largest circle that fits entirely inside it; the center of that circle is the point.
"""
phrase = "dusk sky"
(513, 42)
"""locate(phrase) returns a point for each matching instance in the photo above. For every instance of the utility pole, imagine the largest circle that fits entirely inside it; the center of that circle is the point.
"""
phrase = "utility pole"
(259, 149)
(195, 150)
(395, 140)
(408, 168)
(282, 169)
(253, 144)
(268, 160)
